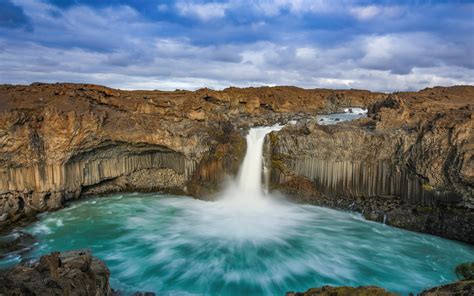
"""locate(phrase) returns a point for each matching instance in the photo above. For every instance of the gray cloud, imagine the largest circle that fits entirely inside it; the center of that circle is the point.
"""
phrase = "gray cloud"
(119, 48)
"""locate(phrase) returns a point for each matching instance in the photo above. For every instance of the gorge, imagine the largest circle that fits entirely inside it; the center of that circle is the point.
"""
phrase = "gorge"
(408, 164)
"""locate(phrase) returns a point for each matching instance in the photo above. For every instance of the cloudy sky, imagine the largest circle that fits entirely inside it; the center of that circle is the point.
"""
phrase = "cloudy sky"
(189, 44)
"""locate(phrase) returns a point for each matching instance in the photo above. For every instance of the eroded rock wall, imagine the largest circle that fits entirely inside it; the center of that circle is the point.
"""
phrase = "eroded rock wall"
(62, 141)
(410, 164)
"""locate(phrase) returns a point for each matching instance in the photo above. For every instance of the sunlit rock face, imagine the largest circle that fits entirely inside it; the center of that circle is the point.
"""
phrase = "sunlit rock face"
(62, 141)
(409, 164)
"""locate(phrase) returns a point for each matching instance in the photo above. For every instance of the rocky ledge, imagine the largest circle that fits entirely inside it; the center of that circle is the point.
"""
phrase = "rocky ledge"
(343, 291)
(460, 288)
(68, 273)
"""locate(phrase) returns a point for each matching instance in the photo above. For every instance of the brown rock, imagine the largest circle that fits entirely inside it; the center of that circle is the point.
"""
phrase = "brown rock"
(343, 291)
(461, 288)
(69, 273)
(412, 162)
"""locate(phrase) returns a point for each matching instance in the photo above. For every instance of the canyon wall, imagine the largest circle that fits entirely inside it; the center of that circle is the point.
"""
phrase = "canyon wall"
(410, 164)
(59, 142)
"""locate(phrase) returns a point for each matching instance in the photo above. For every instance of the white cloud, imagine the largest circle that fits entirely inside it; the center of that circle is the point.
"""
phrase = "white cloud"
(210, 10)
(176, 63)
(80, 44)
(365, 13)
(203, 11)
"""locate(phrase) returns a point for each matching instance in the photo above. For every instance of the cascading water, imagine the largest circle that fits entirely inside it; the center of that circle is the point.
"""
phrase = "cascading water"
(249, 182)
(246, 243)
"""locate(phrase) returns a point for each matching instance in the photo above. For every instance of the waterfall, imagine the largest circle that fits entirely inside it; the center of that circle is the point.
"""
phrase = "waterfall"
(248, 185)
(250, 174)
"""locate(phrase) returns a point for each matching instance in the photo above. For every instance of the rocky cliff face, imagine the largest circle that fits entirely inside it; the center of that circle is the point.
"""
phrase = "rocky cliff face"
(410, 164)
(59, 142)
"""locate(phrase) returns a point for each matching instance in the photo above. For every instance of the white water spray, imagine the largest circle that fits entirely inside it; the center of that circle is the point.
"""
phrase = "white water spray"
(250, 174)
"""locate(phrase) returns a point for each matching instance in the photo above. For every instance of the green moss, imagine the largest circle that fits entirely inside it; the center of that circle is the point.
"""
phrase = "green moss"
(425, 209)
(278, 164)
(273, 138)
(427, 187)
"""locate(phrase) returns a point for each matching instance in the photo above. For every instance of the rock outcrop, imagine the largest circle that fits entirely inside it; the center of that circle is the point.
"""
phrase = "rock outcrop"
(68, 273)
(343, 291)
(460, 288)
(410, 164)
(59, 142)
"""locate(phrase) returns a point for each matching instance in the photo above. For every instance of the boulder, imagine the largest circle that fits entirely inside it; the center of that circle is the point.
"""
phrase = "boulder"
(74, 273)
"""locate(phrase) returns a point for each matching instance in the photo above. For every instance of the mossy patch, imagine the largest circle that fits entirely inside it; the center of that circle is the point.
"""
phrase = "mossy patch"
(279, 164)
(427, 187)
(273, 138)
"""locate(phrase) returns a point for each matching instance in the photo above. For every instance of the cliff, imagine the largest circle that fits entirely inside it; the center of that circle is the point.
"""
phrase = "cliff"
(409, 164)
(59, 142)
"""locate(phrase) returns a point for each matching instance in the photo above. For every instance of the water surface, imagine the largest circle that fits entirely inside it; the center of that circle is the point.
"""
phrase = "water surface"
(182, 246)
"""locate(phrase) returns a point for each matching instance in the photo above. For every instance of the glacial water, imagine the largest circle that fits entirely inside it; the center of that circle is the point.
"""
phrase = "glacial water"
(246, 243)
(182, 246)
(348, 115)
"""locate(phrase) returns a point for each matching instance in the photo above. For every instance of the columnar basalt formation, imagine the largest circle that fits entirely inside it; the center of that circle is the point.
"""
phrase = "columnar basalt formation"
(59, 142)
(410, 164)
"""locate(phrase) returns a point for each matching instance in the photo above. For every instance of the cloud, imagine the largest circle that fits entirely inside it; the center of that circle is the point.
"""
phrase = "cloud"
(216, 44)
(203, 11)
(366, 13)
(400, 53)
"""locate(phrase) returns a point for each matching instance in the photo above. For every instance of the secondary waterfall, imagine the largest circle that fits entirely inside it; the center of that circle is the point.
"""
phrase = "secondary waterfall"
(249, 181)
